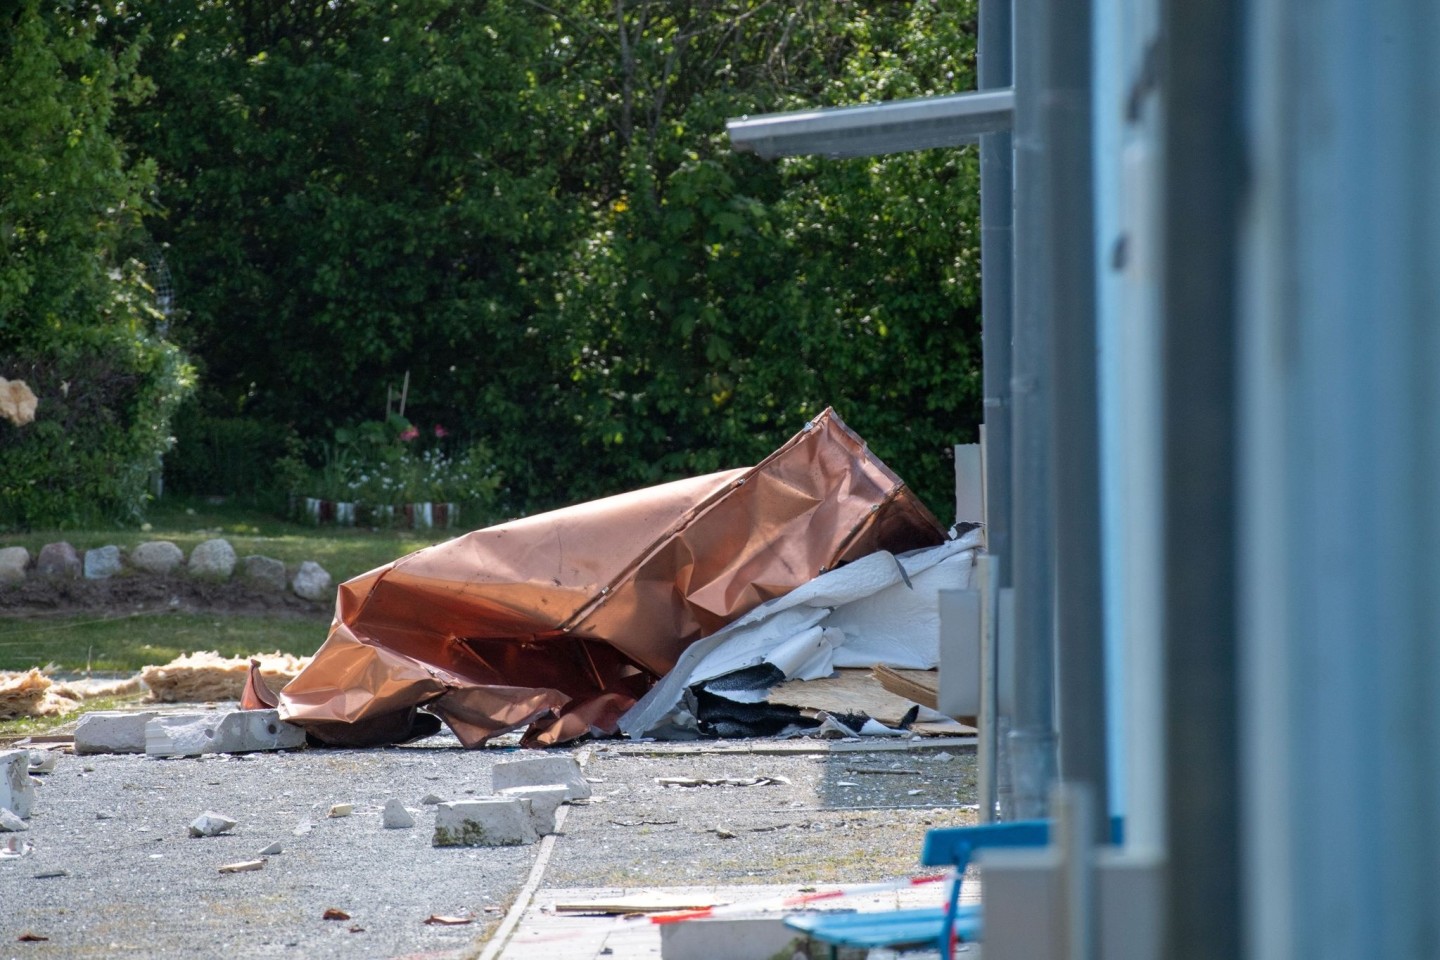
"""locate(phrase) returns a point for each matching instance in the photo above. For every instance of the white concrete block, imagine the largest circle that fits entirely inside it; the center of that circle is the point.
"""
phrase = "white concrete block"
(541, 772)
(544, 803)
(113, 731)
(241, 731)
(17, 790)
(486, 822)
(737, 938)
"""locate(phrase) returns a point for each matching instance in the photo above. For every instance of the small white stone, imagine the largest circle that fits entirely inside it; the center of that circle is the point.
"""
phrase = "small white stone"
(211, 824)
(943, 757)
(394, 816)
(341, 810)
(43, 761)
(104, 815)
(274, 849)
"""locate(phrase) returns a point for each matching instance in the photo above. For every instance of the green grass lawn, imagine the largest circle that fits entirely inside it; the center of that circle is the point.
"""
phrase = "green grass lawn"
(124, 644)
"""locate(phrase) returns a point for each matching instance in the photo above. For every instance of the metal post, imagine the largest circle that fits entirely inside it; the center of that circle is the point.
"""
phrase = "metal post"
(1201, 190)
(1075, 426)
(997, 268)
(997, 239)
(987, 718)
(1032, 737)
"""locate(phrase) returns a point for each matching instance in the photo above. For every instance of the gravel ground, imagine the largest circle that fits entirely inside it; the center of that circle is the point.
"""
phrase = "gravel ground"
(139, 885)
(830, 817)
(136, 884)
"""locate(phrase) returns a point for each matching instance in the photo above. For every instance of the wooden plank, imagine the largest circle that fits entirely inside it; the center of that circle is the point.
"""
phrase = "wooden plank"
(921, 686)
(649, 902)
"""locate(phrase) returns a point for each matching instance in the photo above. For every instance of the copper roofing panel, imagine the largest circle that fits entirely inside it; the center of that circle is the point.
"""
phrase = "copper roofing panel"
(561, 620)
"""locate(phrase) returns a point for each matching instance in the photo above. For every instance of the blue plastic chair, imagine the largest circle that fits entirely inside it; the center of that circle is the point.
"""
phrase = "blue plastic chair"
(942, 926)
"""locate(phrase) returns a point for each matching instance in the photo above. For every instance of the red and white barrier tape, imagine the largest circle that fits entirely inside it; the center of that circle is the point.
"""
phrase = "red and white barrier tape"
(771, 904)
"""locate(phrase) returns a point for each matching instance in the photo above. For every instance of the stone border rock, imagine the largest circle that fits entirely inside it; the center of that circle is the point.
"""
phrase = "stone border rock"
(213, 560)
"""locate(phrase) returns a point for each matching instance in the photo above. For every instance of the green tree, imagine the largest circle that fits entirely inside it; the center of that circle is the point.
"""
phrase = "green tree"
(719, 300)
(350, 192)
(78, 321)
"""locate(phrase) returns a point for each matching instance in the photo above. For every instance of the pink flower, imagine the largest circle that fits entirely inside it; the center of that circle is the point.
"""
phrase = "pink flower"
(441, 431)
(409, 433)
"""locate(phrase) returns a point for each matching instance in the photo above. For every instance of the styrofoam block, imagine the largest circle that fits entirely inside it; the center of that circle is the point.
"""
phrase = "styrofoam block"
(17, 790)
(541, 772)
(112, 731)
(544, 803)
(484, 822)
(241, 731)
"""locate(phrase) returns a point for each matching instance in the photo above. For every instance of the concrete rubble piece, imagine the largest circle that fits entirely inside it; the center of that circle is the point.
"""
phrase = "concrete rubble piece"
(211, 824)
(17, 790)
(484, 822)
(394, 816)
(544, 804)
(113, 731)
(541, 772)
(240, 731)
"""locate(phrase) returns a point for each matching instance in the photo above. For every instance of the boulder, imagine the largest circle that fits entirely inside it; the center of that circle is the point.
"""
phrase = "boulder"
(102, 563)
(312, 582)
(58, 560)
(213, 559)
(265, 572)
(157, 556)
(13, 561)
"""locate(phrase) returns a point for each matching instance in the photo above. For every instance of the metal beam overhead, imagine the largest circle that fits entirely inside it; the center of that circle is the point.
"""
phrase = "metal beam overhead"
(875, 129)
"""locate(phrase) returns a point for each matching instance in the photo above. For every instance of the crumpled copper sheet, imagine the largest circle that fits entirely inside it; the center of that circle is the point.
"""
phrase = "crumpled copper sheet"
(562, 620)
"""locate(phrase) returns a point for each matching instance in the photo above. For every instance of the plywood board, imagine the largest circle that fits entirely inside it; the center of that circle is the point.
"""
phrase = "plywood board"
(849, 691)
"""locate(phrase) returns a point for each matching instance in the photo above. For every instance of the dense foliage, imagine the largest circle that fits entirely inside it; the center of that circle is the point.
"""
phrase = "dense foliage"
(78, 321)
(533, 211)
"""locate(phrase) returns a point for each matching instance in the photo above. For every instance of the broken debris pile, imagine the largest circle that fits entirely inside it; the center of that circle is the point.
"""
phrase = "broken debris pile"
(881, 609)
(563, 621)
